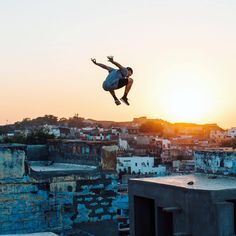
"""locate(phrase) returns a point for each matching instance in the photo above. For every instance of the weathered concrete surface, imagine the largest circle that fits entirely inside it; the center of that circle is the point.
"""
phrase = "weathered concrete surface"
(12, 161)
(36, 166)
(109, 154)
(200, 182)
(206, 206)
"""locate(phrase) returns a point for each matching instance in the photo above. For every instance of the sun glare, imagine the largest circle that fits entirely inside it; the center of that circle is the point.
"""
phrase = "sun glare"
(185, 97)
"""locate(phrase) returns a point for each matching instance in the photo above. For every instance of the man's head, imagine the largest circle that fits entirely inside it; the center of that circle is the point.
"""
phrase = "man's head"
(130, 71)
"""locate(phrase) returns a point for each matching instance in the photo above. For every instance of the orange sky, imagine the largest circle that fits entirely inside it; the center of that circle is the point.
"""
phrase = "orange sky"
(183, 54)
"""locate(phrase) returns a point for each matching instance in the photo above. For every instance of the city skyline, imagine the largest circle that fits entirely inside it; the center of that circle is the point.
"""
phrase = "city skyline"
(141, 119)
(183, 54)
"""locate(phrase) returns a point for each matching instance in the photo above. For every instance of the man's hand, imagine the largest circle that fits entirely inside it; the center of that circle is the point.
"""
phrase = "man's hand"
(110, 58)
(94, 61)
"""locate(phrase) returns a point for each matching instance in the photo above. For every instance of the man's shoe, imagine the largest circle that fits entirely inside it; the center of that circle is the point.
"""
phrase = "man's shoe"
(125, 100)
(117, 102)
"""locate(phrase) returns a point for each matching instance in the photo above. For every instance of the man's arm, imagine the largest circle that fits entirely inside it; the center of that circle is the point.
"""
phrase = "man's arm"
(110, 59)
(101, 65)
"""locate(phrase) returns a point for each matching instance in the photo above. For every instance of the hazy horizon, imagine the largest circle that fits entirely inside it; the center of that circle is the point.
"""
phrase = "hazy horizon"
(183, 54)
(87, 118)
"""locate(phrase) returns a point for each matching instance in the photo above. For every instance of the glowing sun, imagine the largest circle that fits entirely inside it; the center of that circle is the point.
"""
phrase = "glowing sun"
(186, 97)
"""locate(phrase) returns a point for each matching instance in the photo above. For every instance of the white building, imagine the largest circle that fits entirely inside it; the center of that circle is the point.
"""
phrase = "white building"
(123, 144)
(166, 143)
(55, 131)
(232, 132)
(136, 165)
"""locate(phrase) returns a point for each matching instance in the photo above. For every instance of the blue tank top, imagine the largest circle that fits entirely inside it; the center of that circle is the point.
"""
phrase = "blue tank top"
(112, 80)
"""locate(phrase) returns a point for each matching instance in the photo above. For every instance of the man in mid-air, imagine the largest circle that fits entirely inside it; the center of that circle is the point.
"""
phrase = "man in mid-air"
(116, 79)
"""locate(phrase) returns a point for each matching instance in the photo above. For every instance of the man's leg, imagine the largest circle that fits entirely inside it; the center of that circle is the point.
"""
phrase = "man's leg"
(127, 89)
(128, 86)
(117, 102)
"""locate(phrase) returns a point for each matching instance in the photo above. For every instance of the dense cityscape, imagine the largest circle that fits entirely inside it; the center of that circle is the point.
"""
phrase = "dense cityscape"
(71, 176)
(118, 118)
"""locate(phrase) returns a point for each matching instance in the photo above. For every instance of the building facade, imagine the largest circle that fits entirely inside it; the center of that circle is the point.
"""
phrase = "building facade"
(139, 165)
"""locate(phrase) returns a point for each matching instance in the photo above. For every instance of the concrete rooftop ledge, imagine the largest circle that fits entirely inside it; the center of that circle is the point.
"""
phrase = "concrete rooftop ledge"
(196, 182)
(40, 166)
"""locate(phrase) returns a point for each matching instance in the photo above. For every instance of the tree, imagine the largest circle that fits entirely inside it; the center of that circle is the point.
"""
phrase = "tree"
(37, 136)
(75, 121)
(151, 127)
(45, 120)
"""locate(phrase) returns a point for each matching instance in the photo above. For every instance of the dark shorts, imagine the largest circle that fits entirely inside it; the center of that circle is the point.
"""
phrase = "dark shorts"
(122, 83)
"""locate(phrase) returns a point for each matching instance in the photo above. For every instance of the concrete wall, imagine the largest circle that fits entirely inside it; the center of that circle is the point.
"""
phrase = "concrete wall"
(37, 152)
(201, 212)
(223, 163)
(12, 161)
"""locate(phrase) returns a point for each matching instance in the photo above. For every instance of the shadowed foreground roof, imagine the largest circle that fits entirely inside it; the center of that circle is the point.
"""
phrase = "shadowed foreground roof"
(200, 182)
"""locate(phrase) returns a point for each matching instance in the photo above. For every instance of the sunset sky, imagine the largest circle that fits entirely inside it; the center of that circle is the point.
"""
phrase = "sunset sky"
(183, 54)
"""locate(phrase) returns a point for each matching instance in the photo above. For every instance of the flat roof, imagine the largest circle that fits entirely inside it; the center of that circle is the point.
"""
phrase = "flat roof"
(41, 167)
(200, 181)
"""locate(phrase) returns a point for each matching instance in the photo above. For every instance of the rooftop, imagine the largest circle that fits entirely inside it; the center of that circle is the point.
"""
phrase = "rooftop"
(197, 182)
(41, 166)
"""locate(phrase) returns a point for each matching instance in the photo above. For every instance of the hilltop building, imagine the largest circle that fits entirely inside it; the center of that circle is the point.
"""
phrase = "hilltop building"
(232, 132)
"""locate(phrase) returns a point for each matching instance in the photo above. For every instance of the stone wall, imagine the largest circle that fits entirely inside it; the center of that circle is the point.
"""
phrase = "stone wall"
(28, 204)
(223, 163)
(57, 204)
